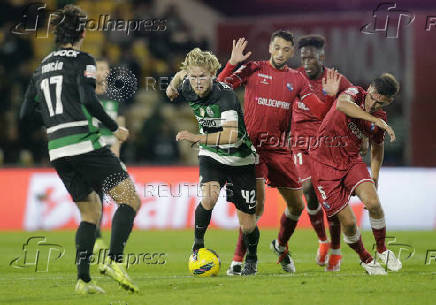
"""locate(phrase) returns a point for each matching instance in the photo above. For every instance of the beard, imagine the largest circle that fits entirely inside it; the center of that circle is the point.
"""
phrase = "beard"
(276, 65)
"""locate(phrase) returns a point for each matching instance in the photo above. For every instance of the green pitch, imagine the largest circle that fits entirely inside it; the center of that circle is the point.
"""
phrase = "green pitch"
(170, 283)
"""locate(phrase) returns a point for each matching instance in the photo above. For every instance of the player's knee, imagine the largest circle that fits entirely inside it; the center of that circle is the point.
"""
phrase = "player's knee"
(376, 211)
(249, 225)
(209, 202)
(372, 204)
(248, 228)
(348, 224)
(135, 202)
(349, 230)
(91, 215)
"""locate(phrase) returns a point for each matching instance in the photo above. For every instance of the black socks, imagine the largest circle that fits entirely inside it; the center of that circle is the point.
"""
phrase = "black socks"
(251, 240)
(202, 220)
(122, 224)
(85, 239)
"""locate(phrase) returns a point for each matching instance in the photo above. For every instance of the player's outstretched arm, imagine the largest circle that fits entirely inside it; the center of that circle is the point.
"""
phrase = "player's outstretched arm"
(346, 105)
(172, 91)
(377, 156)
(239, 77)
(330, 84)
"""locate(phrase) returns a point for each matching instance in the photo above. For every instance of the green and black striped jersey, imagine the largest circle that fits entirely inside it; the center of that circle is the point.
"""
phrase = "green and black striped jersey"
(219, 106)
(63, 90)
(112, 108)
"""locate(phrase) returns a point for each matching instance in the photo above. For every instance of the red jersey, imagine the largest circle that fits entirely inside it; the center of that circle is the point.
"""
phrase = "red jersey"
(340, 137)
(269, 97)
(305, 124)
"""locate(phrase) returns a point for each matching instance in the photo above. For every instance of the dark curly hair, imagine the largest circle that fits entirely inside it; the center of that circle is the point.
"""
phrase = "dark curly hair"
(68, 24)
(386, 84)
(284, 34)
(314, 40)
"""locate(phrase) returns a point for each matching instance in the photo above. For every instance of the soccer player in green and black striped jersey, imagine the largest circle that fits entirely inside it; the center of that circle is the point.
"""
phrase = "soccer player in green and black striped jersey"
(226, 153)
(62, 89)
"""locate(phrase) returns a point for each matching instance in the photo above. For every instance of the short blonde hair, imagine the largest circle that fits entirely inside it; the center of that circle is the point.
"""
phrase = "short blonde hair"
(206, 59)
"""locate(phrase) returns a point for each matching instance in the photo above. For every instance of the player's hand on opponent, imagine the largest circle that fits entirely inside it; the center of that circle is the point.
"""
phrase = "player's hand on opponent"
(121, 134)
(331, 82)
(238, 52)
(383, 125)
(187, 136)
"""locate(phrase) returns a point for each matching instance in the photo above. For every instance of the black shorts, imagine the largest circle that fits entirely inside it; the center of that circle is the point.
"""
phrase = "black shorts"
(93, 171)
(241, 182)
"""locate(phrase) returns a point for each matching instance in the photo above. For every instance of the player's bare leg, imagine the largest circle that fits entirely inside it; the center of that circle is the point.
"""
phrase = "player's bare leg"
(235, 267)
(367, 193)
(354, 240)
(124, 194)
(250, 231)
(288, 222)
(90, 211)
(209, 196)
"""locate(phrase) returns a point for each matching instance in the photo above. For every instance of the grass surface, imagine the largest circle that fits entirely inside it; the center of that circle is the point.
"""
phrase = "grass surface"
(170, 283)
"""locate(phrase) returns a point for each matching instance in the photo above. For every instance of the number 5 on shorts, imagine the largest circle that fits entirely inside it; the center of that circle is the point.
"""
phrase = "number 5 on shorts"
(321, 191)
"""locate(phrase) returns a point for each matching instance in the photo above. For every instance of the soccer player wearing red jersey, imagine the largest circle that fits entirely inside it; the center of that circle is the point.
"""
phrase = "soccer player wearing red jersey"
(270, 91)
(304, 128)
(338, 169)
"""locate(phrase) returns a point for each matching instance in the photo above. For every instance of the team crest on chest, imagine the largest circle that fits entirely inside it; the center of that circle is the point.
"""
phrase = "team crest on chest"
(209, 111)
(202, 112)
(264, 78)
(289, 86)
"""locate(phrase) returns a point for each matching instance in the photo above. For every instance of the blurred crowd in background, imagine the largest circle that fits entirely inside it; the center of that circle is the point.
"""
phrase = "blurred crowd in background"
(152, 119)
(150, 55)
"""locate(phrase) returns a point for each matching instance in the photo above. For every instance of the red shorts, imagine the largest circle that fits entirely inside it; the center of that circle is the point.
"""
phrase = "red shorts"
(278, 169)
(334, 187)
(303, 164)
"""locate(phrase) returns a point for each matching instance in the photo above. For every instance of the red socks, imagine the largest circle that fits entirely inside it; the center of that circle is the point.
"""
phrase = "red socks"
(317, 221)
(288, 222)
(241, 249)
(379, 230)
(355, 243)
(335, 232)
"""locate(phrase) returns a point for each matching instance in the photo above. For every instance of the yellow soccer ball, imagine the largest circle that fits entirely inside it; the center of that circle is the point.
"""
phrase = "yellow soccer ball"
(204, 263)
